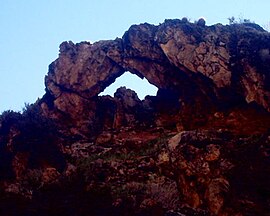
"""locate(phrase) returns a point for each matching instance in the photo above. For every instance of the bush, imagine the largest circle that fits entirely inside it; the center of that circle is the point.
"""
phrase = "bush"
(233, 20)
(32, 132)
(39, 135)
(7, 120)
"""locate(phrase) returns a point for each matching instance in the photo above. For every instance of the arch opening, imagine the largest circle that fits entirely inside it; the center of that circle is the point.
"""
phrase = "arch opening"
(141, 86)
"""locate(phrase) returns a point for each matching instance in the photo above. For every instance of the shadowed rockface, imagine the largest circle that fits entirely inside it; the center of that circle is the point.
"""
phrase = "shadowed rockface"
(201, 146)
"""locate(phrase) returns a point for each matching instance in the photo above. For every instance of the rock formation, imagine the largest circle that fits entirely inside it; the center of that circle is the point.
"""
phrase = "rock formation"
(199, 147)
(203, 69)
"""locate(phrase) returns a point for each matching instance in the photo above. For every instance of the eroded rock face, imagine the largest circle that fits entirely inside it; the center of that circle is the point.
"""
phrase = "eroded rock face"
(199, 147)
(206, 68)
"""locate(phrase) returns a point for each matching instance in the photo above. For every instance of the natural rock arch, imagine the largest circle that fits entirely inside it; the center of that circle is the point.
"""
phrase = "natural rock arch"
(203, 69)
(213, 81)
(88, 69)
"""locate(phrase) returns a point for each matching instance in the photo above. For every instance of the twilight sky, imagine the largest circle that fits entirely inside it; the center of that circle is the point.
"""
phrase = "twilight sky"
(31, 31)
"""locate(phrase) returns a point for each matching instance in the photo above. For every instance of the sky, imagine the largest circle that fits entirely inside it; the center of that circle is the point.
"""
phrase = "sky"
(31, 31)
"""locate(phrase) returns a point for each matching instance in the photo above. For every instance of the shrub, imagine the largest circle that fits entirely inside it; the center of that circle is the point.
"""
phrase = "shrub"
(30, 131)
(233, 20)
(7, 120)
(39, 136)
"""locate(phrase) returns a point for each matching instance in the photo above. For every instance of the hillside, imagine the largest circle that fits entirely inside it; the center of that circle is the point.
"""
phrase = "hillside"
(199, 147)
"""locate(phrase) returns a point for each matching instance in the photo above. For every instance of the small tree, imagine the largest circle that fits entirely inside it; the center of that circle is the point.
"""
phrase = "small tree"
(30, 132)
(7, 120)
(232, 20)
(39, 136)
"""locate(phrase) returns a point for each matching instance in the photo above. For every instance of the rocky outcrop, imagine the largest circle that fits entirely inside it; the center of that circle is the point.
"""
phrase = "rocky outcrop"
(199, 147)
(204, 68)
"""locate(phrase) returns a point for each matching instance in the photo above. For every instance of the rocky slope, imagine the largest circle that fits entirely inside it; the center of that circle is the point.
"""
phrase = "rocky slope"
(199, 147)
